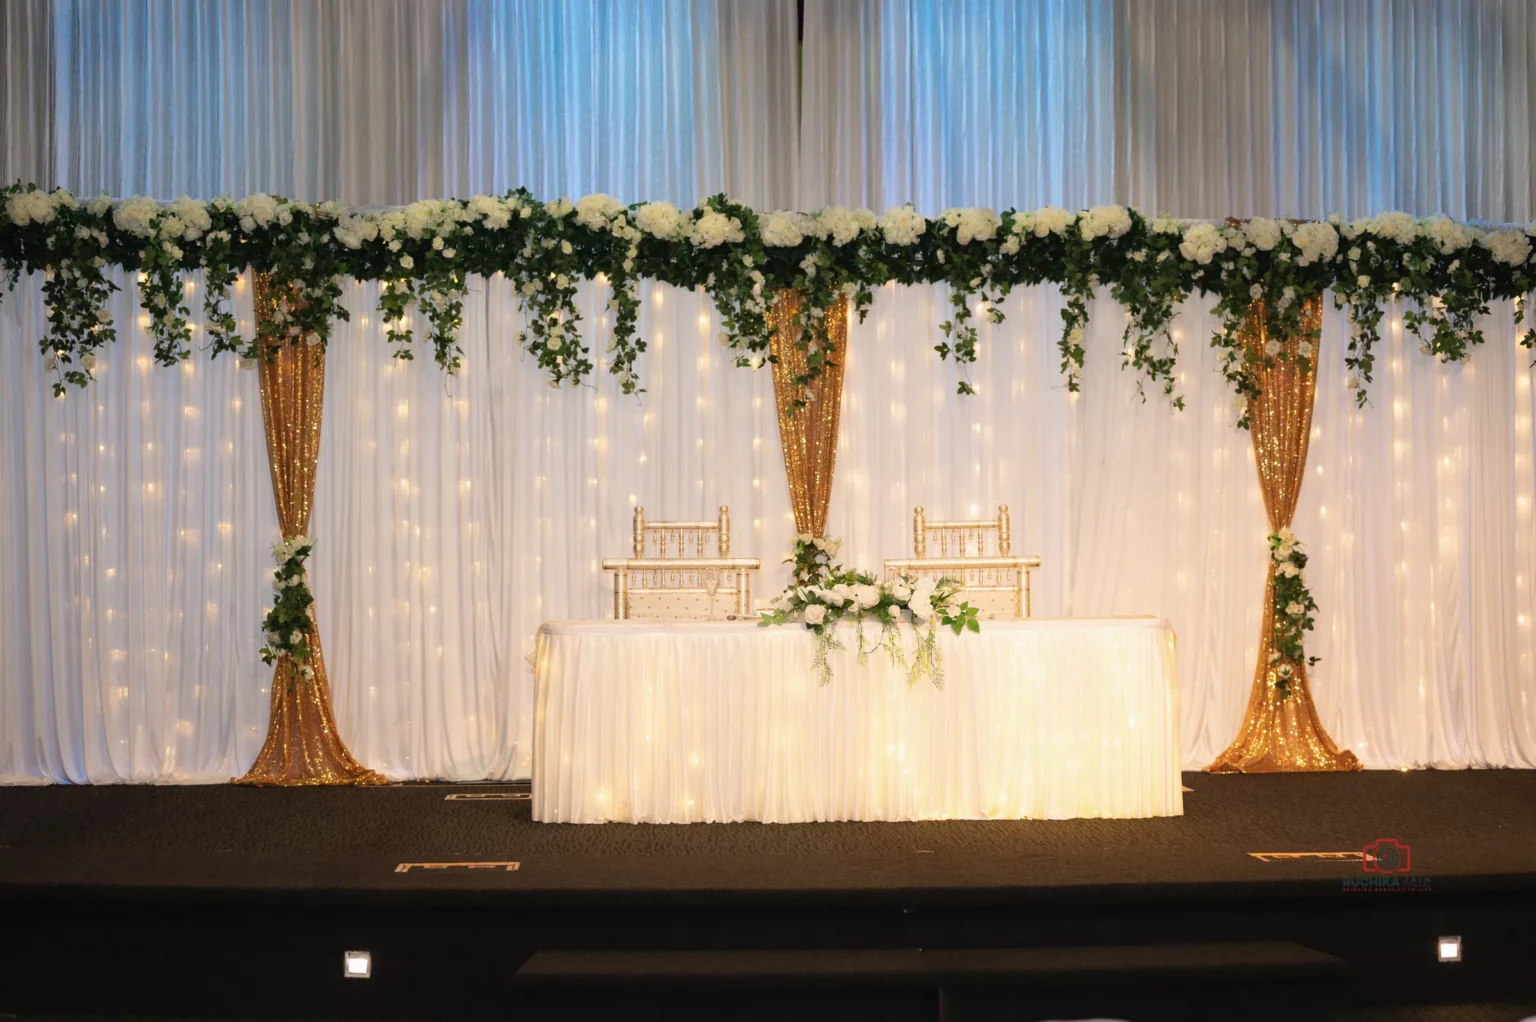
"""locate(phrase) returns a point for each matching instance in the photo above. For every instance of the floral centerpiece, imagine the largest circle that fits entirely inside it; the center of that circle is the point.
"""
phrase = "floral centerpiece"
(823, 594)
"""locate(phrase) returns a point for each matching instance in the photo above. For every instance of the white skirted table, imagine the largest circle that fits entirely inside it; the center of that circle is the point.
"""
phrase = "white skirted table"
(658, 722)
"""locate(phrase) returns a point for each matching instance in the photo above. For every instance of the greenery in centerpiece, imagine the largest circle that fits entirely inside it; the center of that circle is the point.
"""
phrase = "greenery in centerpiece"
(823, 593)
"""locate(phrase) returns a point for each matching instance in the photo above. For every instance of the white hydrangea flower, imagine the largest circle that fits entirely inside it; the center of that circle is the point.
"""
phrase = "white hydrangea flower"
(1512, 248)
(973, 223)
(781, 229)
(1045, 220)
(192, 216)
(354, 231)
(713, 228)
(1448, 235)
(136, 215)
(1105, 221)
(1202, 243)
(597, 210)
(840, 224)
(903, 225)
(661, 220)
(1263, 232)
(1317, 241)
(1393, 225)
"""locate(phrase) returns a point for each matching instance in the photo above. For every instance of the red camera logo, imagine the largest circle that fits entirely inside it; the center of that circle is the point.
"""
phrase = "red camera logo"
(1386, 855)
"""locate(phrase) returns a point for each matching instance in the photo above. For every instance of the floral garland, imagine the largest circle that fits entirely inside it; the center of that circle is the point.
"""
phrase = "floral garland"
(823, 594)
(1293, 610)
(423, 254)
(288, 625)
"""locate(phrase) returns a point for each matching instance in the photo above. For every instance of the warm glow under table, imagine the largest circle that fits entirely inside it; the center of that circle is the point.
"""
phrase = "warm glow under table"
(691, 722)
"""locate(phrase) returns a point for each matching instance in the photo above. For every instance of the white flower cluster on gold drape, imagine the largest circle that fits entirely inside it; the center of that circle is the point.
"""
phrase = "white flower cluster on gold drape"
(451, 518)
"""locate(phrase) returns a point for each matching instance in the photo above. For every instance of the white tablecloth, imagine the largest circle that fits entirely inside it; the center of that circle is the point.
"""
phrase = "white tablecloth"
(652, 722)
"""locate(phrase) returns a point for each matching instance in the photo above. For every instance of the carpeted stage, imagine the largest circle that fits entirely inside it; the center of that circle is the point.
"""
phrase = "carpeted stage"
(191, 899)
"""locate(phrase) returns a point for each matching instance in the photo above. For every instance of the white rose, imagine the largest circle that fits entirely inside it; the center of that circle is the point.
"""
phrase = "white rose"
(1272, 348)
(1295, 609)
(866, 596)
(88, 360)
(295, 637)
(921, 607)
(1304, 349)
(815, 614)
(1288, 569)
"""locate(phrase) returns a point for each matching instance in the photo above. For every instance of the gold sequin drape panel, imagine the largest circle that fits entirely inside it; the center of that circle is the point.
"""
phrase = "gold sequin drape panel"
(1281, 734)
(809, 434)
(303, 746)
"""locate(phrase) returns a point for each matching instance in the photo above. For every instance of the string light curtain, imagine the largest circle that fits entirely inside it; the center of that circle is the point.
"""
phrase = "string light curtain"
(458, 514)
(1416, 510)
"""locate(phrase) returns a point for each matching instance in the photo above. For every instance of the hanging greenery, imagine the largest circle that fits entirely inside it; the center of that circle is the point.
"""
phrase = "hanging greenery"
(1447, 272)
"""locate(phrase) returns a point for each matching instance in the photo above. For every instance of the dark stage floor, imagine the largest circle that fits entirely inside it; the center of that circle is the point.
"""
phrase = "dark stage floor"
(217, 900)
(1463, 827)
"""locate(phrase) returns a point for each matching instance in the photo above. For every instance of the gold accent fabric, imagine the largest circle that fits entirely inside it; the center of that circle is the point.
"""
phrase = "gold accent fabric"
(1281, 735)
(303, 746)
(809, 434)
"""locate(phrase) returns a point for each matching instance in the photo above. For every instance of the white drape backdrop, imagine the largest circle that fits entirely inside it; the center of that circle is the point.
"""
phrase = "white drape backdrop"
(454, 516)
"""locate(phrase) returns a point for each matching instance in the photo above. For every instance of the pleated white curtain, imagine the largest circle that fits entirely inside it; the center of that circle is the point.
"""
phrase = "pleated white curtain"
(456, 515)
(1417, 509)
(451, 516)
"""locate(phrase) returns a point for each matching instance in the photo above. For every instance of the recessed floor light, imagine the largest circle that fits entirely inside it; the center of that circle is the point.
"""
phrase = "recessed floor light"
(357, 965)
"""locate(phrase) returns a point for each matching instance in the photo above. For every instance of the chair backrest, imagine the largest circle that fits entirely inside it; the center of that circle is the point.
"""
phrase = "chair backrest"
(994, 581)
(961, 539)
(673, 567)
(683, 539)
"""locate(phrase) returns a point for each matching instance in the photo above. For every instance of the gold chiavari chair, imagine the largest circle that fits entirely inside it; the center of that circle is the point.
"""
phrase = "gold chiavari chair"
(996, 583)
(682, 571)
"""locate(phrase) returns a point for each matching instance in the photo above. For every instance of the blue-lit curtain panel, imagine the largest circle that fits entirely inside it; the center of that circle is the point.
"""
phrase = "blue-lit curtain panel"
(1417, 509)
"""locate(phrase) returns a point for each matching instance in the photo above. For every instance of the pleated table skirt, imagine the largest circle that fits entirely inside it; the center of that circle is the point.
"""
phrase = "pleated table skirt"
(657, 722)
